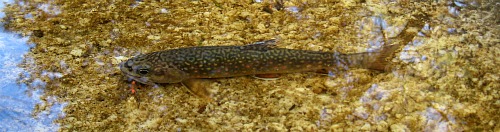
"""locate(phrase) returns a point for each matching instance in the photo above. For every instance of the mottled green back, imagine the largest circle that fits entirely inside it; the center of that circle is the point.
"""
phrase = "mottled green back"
(226, 61)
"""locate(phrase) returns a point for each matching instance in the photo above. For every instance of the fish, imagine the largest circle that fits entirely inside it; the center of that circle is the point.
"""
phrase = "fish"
(191, 65)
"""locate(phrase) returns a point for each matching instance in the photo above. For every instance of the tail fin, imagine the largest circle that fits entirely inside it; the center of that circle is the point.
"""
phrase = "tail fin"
(375, 60)
(382, 60)
(379, 60)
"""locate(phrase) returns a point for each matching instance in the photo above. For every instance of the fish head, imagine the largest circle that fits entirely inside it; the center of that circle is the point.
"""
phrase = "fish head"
(148, 70)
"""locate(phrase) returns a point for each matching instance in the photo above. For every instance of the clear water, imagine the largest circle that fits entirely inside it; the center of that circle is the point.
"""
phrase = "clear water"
(17, 102)
(444, 78)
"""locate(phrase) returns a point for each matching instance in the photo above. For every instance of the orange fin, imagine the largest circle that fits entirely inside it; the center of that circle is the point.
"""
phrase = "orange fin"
(199, 87)
(267, 76)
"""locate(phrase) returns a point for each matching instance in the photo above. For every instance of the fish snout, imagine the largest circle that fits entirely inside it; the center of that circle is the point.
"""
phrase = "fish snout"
(126, 66)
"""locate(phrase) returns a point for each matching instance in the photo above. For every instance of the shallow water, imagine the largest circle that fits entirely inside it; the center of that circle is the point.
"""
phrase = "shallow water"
(17, 102)
(443, 79)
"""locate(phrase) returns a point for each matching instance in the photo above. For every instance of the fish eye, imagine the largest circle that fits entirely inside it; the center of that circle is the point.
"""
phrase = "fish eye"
(143, 71)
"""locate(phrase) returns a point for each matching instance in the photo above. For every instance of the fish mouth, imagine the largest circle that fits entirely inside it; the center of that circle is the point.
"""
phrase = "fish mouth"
(143, 80)
(128, 72)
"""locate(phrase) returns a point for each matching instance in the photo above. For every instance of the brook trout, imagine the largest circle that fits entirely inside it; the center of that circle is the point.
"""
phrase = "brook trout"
(189, 64)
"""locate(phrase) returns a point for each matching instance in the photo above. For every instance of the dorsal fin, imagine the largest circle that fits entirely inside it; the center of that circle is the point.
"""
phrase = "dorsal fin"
(261, 45)
(270, 42)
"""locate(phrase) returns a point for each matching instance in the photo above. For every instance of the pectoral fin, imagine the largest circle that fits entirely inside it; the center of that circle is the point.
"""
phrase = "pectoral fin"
(267, 76)
(199, 87)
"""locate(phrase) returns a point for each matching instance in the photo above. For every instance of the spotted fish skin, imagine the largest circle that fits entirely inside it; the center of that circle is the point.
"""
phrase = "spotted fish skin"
(176, 65)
